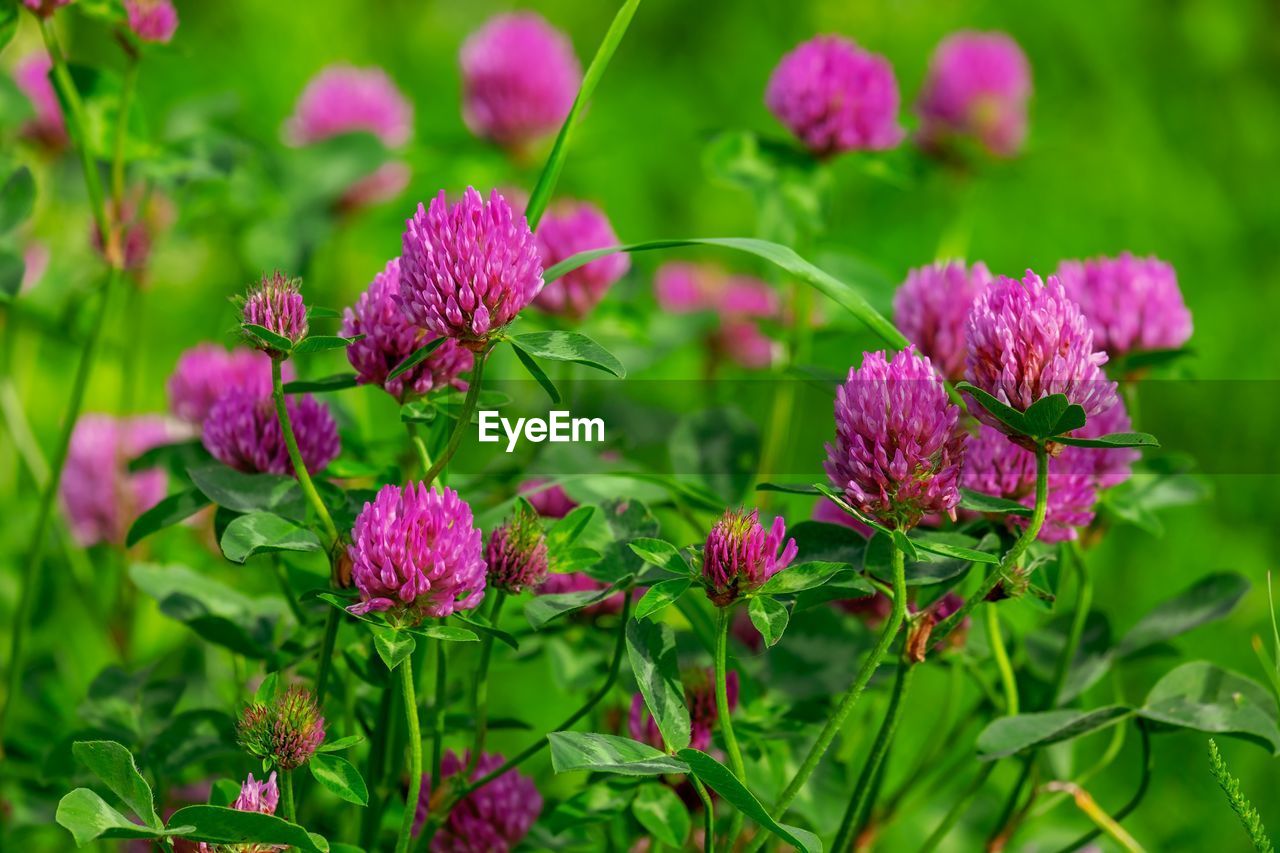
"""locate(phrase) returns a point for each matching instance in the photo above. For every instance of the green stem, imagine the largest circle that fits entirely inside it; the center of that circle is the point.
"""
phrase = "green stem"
(375, 769)
(331, 623)
(860, 802)
(128, 87)
(1084, 598)
(708, 816)
(464, 420)
(415, 756)
(438, 708)
(1010, 561)
(481, 697)
(420, 447)
(282, 577)
(837, 719)
(960, 807)
(724, 616)
(1007, 680)
(286, 796)
(295, 456)
(1143, 784)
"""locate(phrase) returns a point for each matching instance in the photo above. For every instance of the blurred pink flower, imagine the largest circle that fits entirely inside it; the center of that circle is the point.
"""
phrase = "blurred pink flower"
(566, 230)
(345, 99)
(102, 498)
(47, 127)
(152, 20)
(978, 86)
(1132, 304)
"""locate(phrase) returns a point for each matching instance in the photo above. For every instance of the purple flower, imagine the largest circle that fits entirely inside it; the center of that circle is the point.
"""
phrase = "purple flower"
(932, 309)
(1027, 341)
(1108, 467)
(255, 796)
(390, 338)
(517, 553)
(276, 304)
(99, 493)
(206, 372)
(1132, 304)
(152, 20)
(740, 556)
(996, 466)
(683, 288)
(978, 86)
(416, 553)
(344, 99)
(468, 268)
(519, 79)
(551, 501)
(565, 231)
(835, 96)
(45, 8)
(898, 441)
(491, 819)
(47, 127)
(700, 697)
(243, 431)
(286, 729)
(382, 184)
(138, 218)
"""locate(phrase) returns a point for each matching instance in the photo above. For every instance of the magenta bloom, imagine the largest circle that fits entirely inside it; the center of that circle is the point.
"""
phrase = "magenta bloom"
(565, 231)
(152, 20)
(551, 501)
(932, 310)
(344, 99)
(468, 268)
(493, 819)
(45, 8)
(46, 128)
(835, 96)
(417, 554)
(898, 441)
(390, 338)
(519, 79)
(1108, 467)
(288, 729)
(206, 372)
(700, 697)
(243, 431)
(740, 556)
(683, 288)
(99, 494)
(276, 304)
(996, 466)
(255, 796)
(978, 86)
(1132, 304)
(517, 553)
(1027, 341)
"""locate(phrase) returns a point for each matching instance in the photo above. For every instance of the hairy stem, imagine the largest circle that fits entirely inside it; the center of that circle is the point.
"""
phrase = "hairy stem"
(286, 796)
(464, 419)
(438, 706)
(480, 702)
(415, 757)
(723, 618)
(1001, 655)
(295, 456)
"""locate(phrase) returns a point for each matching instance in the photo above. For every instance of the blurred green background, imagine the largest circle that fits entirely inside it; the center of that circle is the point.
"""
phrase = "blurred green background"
(1154, 128)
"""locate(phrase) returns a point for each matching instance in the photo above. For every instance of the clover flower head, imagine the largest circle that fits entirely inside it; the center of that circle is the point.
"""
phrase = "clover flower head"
(276, 304)
(517, 553)
(932, 310)
(491, 819)
(345, 99)
(519, 79)
(835, 97)
(978, 86)
(389, 338)
(286, 729)
(206, 372)
(46, 127)
(152, 20)
(243, 431)
(1028, 340)
(255, 796)
(467, 269)
(740, 555)
(899, 444)
(567, 230)
(1132, 304)
(416, 553)
(100, 495)
(551, 501)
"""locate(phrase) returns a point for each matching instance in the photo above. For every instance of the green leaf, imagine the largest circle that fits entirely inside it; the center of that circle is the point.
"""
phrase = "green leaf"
(12, 270)
(1053, 415)
(321, 343)
(316, 312)
(567, 530)
(341, 743)
(719, 446)
(1007, 415)
(392, 645)
(788, 488)
(542, 609)
(217, 825)
(1207, 698)
(248, 492)
(337, 382)
(484, 627)
(822, 542)
(660, 810)
(339, 776)
(661, 595)
(802, 576)
(1209, 599)
(169, 511)
(218, 613)
(721, 780)
(550, 175)
(8, 21)
(268, 337)
(87, 817)
(569, 346)
(535, 370)
(651, 648)
(945, 549)
(267, 689)
(17, 196)
(780, 256)
(114, 765)
(1114, 439)
(660, 553)
(265, 533)
(1006, 736)
(609, 754)
(448, 633)
(415, 358)
(979, 502)
(770, 618)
